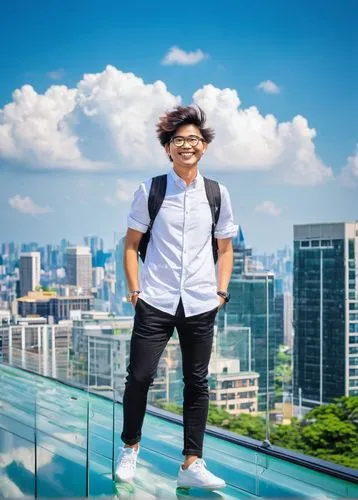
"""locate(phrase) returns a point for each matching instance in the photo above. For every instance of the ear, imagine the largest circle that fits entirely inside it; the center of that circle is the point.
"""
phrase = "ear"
(205, 147)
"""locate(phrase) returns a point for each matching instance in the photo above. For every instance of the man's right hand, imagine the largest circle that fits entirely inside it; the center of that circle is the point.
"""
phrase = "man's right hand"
(134, 300)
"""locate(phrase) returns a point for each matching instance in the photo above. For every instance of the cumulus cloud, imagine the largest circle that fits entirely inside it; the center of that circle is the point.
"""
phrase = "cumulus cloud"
(124, 192)
(268, 207)
(269, 87)
(108, 122)
(247, 140)
(183, 58)
(349, 175)
(26, 205)
(56, 74)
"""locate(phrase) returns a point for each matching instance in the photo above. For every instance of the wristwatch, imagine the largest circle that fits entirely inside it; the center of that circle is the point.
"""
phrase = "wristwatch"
(224, 295)
(131, 294)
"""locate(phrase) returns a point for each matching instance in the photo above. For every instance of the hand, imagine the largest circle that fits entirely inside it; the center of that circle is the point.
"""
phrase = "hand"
(221, 302)
(134, 299)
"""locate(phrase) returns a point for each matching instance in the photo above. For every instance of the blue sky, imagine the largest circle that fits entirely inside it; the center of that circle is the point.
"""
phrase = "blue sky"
(69, 162)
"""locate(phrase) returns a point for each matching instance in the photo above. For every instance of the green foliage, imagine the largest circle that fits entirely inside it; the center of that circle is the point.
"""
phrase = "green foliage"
(329, 432)
(283, 370)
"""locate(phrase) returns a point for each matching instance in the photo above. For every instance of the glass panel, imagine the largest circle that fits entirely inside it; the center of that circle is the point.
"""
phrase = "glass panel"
(62, 435)
(17, 436)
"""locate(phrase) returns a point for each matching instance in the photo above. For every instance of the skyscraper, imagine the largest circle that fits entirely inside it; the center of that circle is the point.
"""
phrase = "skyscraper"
(79, 268)
(252, 306)
(325, 312)
(30, 270)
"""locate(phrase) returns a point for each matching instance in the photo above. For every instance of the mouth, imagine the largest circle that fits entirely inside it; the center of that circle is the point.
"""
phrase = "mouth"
(186, 156)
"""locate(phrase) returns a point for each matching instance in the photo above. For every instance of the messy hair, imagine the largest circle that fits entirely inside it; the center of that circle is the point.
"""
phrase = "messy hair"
(183, 115)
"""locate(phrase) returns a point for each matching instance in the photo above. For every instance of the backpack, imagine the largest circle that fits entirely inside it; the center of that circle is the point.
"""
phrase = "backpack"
(155, 200)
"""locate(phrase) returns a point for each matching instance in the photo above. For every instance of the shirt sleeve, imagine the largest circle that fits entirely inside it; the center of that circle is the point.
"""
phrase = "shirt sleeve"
(225, 228)
(138, 217)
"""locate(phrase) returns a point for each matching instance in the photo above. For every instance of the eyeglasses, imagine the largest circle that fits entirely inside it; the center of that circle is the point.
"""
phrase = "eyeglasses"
(192, 140)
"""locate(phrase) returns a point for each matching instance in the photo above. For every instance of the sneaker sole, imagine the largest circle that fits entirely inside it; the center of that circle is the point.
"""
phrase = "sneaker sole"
(209, 488)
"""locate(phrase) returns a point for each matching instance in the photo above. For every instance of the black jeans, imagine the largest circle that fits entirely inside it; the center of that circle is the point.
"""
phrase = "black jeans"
(151, 333)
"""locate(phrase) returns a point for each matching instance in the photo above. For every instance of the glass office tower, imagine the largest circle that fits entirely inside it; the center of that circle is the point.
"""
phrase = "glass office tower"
(252, 306)
(325, 312)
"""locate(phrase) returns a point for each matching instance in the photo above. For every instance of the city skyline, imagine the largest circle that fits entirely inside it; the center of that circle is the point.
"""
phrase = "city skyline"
(78, 113)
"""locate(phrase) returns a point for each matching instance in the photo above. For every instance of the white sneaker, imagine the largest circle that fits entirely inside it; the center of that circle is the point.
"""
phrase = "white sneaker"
(198, 476)
(126, 464)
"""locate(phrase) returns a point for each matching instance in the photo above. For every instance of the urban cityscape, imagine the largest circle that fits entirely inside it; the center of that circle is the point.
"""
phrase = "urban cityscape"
(254, 398)
(286, 343)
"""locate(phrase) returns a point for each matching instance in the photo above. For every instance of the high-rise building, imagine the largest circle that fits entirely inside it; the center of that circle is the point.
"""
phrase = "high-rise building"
(30, 271)
(242, 254)
(97, 276)
(325, 311)
(252, 306)
(251, 309)
(284, 319)
(79, 268)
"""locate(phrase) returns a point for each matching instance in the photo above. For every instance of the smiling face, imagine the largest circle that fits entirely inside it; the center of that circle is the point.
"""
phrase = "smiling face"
(186, 155)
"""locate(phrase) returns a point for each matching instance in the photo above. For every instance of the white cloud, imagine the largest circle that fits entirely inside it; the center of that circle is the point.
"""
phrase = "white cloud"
(108, 122)
(247, 140)
(56, 74)
(179, 56)
(26, 206)
(349, 174)
(269, 208)
(269, 87)
(124, 192)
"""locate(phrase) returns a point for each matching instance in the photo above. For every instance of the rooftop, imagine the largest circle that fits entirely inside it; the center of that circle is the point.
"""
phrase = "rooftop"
(59, 441)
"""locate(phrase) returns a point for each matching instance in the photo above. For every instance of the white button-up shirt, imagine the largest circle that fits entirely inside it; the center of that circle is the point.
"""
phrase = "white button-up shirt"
(179, 260)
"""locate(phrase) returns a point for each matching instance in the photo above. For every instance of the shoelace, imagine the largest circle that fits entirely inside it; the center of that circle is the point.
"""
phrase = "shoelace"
(127, 460)
(200, 466)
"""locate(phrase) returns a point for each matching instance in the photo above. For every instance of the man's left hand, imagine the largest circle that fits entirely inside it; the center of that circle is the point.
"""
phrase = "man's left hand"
(221, 302)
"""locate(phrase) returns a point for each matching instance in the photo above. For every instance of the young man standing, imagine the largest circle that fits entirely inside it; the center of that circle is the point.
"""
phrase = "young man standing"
(179, 288)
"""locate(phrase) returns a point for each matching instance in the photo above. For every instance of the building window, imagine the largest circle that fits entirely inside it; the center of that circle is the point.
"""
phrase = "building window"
(305, 244)
(223, 397)
(353, 339)
(227, 384)
(315, 243)
(231, 395)
(231, 407)
(326, 243)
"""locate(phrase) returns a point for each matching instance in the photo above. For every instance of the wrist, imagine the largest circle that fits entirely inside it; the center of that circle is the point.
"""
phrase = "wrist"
(224, 295)
(132, 293)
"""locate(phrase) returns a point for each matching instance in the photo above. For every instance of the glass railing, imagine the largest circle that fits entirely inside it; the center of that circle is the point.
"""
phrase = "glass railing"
(251, 376)
(59, 441)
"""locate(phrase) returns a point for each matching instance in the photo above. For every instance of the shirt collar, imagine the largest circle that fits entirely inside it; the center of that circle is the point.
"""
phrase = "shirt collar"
(181, 183)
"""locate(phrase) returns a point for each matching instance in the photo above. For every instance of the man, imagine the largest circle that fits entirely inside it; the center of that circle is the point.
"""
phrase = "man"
(179, 288)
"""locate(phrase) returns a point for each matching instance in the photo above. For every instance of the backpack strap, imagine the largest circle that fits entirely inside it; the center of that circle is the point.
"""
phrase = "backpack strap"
(156, 196)
(155, 199)
(213, 195)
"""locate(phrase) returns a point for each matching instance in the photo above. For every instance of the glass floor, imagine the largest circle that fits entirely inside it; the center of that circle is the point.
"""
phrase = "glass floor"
(58, 441)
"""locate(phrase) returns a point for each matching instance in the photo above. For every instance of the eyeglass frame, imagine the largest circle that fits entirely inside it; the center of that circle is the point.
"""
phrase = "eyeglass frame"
(186, 139)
